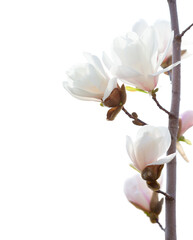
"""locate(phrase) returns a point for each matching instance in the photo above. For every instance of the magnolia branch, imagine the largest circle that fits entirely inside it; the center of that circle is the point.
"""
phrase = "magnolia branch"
(182, 34)
(157, 221)
(134, 116)
(159, 105)
(170, 231)
(166, 195)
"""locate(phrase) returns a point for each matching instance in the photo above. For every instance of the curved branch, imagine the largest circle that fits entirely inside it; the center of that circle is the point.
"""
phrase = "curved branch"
(159, 105)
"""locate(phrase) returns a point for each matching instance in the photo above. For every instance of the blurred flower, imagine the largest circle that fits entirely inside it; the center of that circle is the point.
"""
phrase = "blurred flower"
(145, 153)
(137, 58)
(185, 122)
(142, 197)
(90, 82)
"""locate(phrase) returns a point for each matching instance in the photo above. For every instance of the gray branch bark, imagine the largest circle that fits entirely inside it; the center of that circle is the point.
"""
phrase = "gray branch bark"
(170, 231)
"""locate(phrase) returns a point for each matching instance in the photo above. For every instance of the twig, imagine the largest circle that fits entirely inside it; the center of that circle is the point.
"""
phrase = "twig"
(166, 195)
(157, 221)
(182, 34)
(136, 121)
(159, 105)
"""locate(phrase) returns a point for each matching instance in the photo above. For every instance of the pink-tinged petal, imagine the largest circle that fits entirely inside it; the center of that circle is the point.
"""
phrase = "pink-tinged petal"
(186, 121)
(164, 160)
(181, 151)
(137, 192)
(95, 61)
(111, 85)
(130, 76)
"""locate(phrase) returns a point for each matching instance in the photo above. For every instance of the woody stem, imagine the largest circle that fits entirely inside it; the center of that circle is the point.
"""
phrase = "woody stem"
(165, 194)
(170, 231)
(159, 105)
(138, 121)
(157, 221)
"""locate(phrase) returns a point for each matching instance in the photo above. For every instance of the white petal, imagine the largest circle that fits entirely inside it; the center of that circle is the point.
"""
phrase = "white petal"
(86, 77)
(167, 69)
(130, 76)
(130, 51)
(139, 27)
(95, 61)
(164, 160)
(149, 39)
(164, 54)
(81, 94)
(111, 85)
(163, 29)
(130, 151)
(124, 72)
(107, 61)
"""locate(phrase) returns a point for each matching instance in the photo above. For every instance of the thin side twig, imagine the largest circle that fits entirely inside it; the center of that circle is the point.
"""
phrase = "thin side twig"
(183, 32)
(136, 121)
(157, 221)
(160, 106)
(166, 195)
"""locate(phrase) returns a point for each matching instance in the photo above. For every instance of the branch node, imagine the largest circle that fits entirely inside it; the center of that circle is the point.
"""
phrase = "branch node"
(179, 36)
(167, 196)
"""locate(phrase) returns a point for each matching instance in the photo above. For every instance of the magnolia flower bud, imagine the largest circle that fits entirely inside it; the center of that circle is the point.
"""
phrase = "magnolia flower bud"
(146, 151)
(115, 100)
(142, 197)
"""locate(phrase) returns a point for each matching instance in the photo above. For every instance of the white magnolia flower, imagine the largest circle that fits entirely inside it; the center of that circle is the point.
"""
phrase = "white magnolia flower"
(89, 81)
(137, 58)
(137, 192)
(150, 144)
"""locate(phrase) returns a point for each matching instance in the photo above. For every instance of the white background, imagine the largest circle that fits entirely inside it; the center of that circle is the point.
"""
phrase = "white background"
(62, 165)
